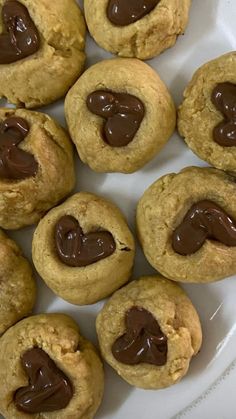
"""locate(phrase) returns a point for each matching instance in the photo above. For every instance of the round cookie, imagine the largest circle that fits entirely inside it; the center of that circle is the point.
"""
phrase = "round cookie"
(47, 57)
(17, 286)
(148, 332)
(49, 370)
(36, 166)
(207, 115)
(138, 28)
(120, 114)
(186, 224)
(83, 249)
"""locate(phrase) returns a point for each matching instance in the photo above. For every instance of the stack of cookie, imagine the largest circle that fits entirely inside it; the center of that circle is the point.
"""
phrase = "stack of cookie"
(119, 115)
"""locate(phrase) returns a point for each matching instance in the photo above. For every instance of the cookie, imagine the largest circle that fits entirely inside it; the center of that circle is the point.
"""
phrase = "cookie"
(207, 116)
(137, 28)
(186, 224)
(148, 332)
(36, 166)
(17, 285)
(120, 114)
(83, 249)
(49, 370)
(41, 50)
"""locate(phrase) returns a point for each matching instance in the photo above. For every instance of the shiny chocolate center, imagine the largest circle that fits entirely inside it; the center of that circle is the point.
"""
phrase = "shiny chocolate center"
(15, 163)
(20, 37)
(143, 340)
(204, 220)
(224, 99)
(125, 12)
(74, 248)
(48, 390)
(123, 113)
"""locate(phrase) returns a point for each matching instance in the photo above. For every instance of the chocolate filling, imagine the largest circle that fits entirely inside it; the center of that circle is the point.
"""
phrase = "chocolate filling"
(74, 248)
(48, 390)
(204, 220)
(224, 99)
(143, 340)
(20, 37)
(125, 12)
(15, 163)
(123, 113)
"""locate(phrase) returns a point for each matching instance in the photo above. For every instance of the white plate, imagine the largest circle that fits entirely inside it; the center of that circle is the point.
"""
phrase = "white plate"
(207, 390)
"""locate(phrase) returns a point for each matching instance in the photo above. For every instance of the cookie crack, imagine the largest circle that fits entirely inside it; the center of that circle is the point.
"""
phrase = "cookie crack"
(123, 247)
(61, 51)
(48, 134)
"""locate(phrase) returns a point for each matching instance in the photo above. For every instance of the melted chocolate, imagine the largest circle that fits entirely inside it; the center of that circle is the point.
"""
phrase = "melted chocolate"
(224, 99)
(123, 113)
(20, 38)
(125, 12)
(74, 248)
(204, 220)
(48, 390)
(143, 340)
(15, 163)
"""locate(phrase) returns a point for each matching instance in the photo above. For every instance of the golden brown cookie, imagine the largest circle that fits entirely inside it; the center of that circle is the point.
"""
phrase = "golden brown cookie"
(36, 166)
(83, 249)
(17, 285)
(136, 28)
(207, 115)
(120, 114)
(186, 224)
(42, 53)
(49, 370)
(148, 332)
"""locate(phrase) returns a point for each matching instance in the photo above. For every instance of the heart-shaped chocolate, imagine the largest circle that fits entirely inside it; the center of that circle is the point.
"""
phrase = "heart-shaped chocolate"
(224, 99)
(15, 163)
(204, 220)
(74, 248)
(123, 113)
(125, 12)
(48, 390)
(143, 340)
(20, 38)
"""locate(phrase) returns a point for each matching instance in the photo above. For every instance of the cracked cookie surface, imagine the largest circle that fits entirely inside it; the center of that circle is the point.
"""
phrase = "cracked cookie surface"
(57, 335)
(23, 202)
(45, 76)
(85, 284)
(143, 39)
(177, 318)
(198, 115)
(17, 285)
(163, 207)
(120, 75)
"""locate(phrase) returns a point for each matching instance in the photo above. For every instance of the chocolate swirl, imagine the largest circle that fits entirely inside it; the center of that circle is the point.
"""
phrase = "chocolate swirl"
(15, 163)
(224, 99)
(123, 113)
(125, 12)
(204, 220)
(20, 38)
(74, 248)
(48, 390)
(143, 340)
